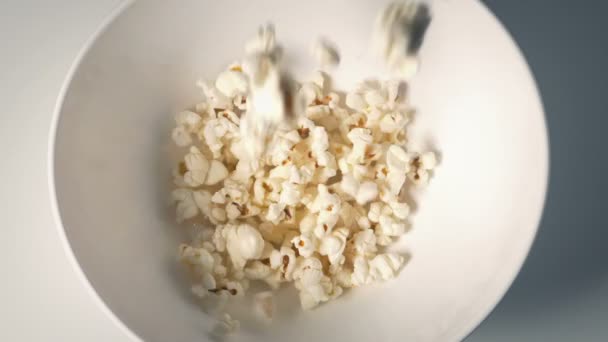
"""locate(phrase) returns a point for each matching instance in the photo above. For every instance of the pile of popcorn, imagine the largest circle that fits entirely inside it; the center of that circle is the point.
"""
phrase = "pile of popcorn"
(318, 207)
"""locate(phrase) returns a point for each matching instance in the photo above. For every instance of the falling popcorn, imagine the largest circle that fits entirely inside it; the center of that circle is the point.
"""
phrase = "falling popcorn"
(312, 200)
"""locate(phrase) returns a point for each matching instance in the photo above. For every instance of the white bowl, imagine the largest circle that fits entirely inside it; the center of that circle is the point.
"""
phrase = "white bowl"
(472, 228)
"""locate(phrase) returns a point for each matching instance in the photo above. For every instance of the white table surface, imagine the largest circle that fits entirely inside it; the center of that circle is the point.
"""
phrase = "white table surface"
(41, 298)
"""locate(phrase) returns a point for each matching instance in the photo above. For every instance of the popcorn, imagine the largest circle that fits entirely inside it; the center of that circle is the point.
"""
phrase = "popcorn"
(226, 326)
(263, 42)
(361, 274)
(243, 243)
(189, 121)
(231, 83)
(215, 98)
(361, 139)
(385, 266)
(325, 52)
(283, 260)
(420, 167)
(309, 271)
(327, 205)
(397, 161)
(181, 136)
(363, 193)
(217, 173)
(197, 166)
(333, 245)
(356, 101)
(186, 206)
(393, 122)
(196, 257)
(365, 242)
(218, 214)
(390, 227)
(308, 194)
(398, 35)
(306, 246)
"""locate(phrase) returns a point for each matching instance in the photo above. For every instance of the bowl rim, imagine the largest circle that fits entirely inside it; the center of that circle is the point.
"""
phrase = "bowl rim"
(482, 315)
(67, 247)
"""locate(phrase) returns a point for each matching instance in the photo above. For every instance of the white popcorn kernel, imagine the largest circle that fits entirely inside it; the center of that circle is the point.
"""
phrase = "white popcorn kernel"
(428, 160)
(318, 113)
(212, 134)
(320, 140)
(243, 243)
(420, 166)
(196, 257)
(375, 210)
(218, 214)
(208, 246)
(197, 166)
(309, 92)
(186, 206)
(257, 270)
(395, 181)
(344, 278)
(325, 52)
(376, 97)
(189, 120)
(281, 172)
(208, 281)
(397, 158)
(217, 173)
(365, 242)
(398, 34)
(309, 271)
(333, 245)
(235, 288)
(218, 239)
(251, 243)
(355, 101)
(199, 291)
(263, 42)
(349, 185)
(275, 213)
(226, 326)
(327, 206)
(392, 122)
(283, 260)
(215, 98)
(307, 300)
(264, 305)
(361, 271)
(386, 266)
(361, 139)
(390, 227)
(400, 210)
(231, 83)
(181, 136)
(305, 245)
(233, 211)
(368, 191)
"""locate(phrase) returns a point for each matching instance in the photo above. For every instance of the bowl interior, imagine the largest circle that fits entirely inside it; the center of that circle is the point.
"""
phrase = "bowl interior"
(471, 229)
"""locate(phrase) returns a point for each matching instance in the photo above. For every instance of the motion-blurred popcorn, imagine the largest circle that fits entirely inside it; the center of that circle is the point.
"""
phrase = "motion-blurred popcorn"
(318, 201)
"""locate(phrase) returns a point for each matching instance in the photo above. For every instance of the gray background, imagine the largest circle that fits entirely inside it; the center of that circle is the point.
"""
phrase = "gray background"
(561, 293)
